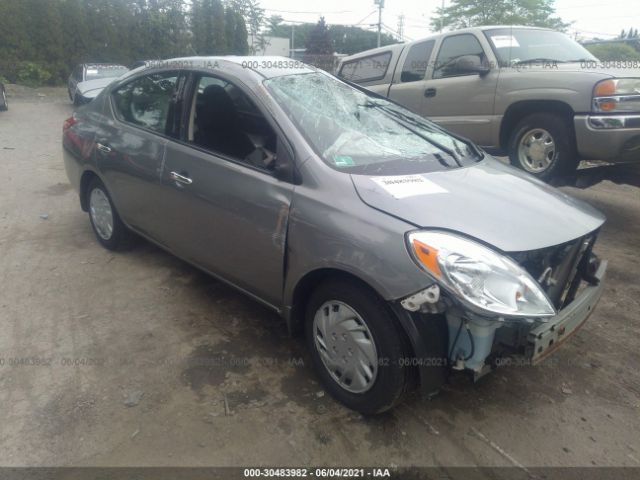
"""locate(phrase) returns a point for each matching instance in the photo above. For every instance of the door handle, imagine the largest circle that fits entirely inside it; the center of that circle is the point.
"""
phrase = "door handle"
(180, 179)
(103, 148)
(430, 92)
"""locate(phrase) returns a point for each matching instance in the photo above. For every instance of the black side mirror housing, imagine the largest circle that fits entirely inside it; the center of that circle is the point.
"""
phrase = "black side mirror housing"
(470, 64)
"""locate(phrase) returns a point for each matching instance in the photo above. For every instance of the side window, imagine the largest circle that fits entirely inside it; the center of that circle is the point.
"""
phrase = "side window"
(77, 74)
(452, 49)
(417, 61)
(145, 102)
(224, 120)
(366, 69)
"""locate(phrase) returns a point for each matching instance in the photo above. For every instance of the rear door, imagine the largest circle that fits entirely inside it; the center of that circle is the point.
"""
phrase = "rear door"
(373, 72)
(130, 147)
(409, 84)
(457, 100)
(223, 207)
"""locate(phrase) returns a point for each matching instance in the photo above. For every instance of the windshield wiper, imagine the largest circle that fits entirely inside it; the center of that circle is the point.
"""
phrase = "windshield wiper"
(541, 60)
(455, 154)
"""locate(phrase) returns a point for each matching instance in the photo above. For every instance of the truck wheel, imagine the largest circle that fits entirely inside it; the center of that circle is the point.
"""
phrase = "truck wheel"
(357, 347)
(543, 145)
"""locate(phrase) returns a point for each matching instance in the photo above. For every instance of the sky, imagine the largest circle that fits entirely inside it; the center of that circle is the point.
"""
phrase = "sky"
(591, 18)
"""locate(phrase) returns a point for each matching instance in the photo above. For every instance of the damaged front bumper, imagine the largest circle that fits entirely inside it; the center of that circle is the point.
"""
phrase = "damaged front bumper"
(545, 338)
(478, 344)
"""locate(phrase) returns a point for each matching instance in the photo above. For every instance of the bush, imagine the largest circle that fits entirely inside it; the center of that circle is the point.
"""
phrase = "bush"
(32, 74)
(614, 51)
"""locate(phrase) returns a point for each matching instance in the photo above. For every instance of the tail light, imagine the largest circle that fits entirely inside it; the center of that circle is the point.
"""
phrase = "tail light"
(68, 123)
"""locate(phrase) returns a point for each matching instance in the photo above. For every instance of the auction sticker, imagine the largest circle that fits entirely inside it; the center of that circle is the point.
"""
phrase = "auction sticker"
(403, 186)
(504, 41)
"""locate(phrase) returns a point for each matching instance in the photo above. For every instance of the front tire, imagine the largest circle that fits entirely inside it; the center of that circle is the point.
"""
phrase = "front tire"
(105, 221)
(357, 346)
(543, 145)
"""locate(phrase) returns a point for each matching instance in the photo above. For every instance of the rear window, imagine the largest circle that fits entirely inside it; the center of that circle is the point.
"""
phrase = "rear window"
(366, 69)
(415, 65)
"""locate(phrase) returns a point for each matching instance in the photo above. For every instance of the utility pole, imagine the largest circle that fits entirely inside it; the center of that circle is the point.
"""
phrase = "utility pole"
(380, 4)
(401, 27)
(441, 16)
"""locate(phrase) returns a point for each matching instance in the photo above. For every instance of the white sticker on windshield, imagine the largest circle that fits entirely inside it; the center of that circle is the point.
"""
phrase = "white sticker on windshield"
(402, 186)
(504, 41)
(92, 72)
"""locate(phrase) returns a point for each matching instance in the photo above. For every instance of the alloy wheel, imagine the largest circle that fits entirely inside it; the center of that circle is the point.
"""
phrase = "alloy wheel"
(537, 150)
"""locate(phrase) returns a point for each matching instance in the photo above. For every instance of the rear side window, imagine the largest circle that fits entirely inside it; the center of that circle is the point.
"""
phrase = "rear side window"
(415, 65)
(452, 48)
(145, 101)
(366, 69)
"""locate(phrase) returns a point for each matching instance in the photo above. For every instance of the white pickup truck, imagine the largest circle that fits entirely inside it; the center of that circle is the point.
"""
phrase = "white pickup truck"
(532, 93)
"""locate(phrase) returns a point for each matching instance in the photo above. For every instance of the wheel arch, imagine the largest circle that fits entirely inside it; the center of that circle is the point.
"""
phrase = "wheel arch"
(518, 110)
(304, 288)
(85, 180)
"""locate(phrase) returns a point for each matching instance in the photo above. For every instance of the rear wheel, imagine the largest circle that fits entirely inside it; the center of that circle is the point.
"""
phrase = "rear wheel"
(357, 347)
(4, 104)
(543, 145)
(105, 221)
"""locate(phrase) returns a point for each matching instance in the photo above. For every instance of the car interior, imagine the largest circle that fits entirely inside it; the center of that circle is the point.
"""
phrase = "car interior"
(224, 120)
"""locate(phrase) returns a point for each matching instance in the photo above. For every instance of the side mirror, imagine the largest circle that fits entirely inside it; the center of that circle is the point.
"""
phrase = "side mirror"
(470, 64)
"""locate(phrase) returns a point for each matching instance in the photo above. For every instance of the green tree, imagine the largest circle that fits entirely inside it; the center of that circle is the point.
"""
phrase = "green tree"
(236, 32)
(613, 51)
(472, 13)
(207, 27)
(319, 47)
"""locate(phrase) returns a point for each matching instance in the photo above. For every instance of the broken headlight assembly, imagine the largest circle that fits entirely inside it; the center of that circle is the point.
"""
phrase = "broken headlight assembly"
(487, 281)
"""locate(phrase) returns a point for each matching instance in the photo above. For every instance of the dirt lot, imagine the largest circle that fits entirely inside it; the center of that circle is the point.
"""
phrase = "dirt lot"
(139, 359)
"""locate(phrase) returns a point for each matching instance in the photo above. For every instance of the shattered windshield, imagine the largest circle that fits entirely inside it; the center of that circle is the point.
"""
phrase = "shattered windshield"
(365, 134)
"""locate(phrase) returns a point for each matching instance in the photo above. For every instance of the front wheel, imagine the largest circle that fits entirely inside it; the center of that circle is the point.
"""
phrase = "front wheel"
(543, 145)
(357, 346)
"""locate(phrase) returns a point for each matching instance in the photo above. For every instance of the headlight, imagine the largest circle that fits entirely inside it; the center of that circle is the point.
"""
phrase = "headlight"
(617, 95)
(479, 276)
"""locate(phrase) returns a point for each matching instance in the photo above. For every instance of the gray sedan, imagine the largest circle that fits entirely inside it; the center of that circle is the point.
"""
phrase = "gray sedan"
(402, 252)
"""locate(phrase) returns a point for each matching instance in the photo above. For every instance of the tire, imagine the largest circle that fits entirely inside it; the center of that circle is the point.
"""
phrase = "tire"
(118, 237)
(541, 158)
(76, 99)
(70, 96)
(4, 104)
(391, 379)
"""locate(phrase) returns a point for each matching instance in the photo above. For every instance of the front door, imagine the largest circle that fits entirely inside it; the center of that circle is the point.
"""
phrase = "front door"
(224, 209)
(457, 100)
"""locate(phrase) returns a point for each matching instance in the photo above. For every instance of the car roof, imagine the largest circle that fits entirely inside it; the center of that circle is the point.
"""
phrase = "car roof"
(373, 51)
(263, 66)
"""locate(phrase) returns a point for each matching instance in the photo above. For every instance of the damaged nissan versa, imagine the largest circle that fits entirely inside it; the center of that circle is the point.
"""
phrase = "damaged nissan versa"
(402, 252)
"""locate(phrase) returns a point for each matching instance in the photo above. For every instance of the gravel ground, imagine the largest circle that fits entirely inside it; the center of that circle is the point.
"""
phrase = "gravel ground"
(138, 359)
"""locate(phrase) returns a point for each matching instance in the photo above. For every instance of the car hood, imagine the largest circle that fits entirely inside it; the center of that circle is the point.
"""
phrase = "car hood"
(97, 84)
(490, 201)
(603, 69)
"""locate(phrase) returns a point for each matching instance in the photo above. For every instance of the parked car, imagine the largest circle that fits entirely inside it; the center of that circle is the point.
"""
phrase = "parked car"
(4, 104)
(397, 247)
(88, 79)
(532, 93)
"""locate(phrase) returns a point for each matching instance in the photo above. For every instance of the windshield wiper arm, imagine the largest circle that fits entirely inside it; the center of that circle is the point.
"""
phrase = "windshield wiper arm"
(540, 59)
